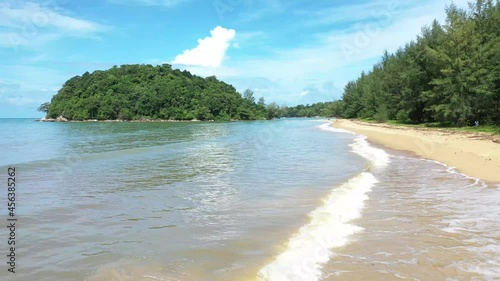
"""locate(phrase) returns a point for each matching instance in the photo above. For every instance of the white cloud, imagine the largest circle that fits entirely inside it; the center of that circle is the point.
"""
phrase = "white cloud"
(291, 72)
(210, 51)
(30, 16)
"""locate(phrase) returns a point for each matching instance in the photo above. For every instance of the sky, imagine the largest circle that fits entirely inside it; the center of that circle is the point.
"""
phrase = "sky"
(289, 52)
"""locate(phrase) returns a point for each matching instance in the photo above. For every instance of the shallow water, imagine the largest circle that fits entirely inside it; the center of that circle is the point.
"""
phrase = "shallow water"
(424, 223)
(275, 200)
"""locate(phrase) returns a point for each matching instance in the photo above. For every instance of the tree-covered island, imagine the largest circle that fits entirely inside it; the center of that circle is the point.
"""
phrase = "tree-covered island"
(134, 92)
(449, 75)
(146, 92)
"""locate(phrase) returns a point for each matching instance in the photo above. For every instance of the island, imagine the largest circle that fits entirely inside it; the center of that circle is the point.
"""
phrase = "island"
(141, 92)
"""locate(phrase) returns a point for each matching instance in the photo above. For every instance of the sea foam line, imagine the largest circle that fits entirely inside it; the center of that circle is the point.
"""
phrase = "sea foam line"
(328, 127)
(378, 157)
(312, 246)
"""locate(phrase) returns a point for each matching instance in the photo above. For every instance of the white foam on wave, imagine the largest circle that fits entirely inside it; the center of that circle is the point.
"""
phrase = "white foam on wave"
(328, 127)
(377, 157)
(311, 248)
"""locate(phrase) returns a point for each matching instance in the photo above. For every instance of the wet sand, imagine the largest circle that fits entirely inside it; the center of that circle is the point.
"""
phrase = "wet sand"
(423, 222)
(474, 154)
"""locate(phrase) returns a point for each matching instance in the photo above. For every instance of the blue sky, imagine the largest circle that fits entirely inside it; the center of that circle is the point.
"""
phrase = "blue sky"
(290, 52)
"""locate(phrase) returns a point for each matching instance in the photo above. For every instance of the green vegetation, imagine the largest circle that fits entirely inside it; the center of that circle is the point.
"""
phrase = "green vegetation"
(138, 92)
(44, 107)
(132, 92)
(491, 129)
(449, 76)
(323, 109)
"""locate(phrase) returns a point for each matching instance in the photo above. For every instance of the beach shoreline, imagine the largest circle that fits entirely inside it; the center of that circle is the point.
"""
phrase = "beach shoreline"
(474, 154)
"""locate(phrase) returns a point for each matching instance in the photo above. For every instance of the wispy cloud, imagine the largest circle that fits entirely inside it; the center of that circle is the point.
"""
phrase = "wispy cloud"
(15, 39)
(8, 85)
(44, 83)
(28, 23)
(351, 13)
(254, 10)
(381, 11)
(244, 37)
(41, 16)
(36, 58)
(163, 3)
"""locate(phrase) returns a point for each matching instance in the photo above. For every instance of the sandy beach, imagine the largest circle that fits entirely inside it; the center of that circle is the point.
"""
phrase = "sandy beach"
(474, 154)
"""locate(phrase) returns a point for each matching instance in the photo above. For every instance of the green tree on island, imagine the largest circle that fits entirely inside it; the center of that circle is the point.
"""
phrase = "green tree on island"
(44, 107)
(450, 75)
(150, 92)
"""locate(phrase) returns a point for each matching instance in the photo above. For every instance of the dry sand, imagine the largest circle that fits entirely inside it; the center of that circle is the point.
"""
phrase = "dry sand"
(474, 154)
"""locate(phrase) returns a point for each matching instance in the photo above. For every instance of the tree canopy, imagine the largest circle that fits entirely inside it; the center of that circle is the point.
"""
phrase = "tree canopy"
(450, 74)
(44, 107)
(133, 92)
(151, 92)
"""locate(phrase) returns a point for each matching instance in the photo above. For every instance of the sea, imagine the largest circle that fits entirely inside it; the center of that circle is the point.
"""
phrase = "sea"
(280, 200)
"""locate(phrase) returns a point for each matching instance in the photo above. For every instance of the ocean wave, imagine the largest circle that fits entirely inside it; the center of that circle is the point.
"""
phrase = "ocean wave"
(330, 226)
(327, 127)
(378, 157)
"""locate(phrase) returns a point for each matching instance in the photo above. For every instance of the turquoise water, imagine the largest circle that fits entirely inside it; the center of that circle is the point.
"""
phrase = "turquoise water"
(217, 201)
